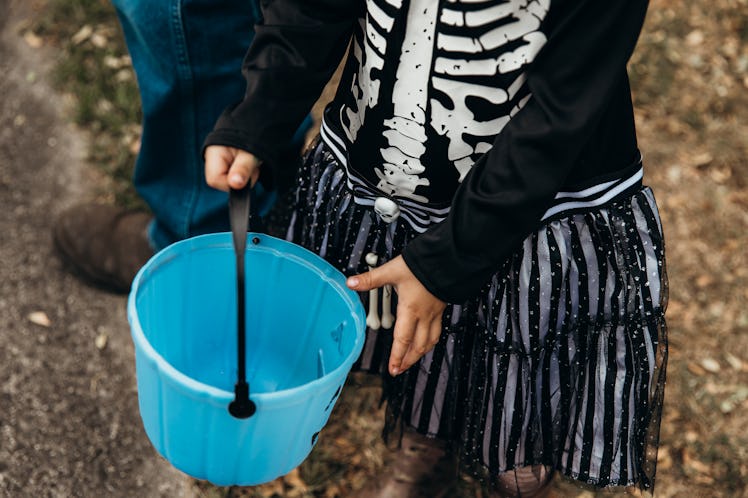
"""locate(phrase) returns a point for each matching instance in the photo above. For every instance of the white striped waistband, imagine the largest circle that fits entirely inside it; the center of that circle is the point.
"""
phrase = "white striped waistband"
(594, 196)
(421, 216)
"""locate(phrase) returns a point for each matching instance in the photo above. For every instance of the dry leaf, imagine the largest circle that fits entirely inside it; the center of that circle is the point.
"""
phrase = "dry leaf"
(703, 479)
(272, 488)
(98, 40)
(710, 365)
(40, 318)
(734, 362)
(664, 460)
(690, 461)
(704, 281)
(695, 369)
(701, 160)
(720, 175)
(332, 491)
(82, 35)
(726, 407)
(695, 38)
(104, 106)
(32, 40)
(294, 480)
(123, 75)
(135, 146)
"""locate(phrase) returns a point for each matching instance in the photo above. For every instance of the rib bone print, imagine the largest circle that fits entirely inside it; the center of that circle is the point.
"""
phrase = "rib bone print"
(370, 58)
(520, 31)
(452, 55)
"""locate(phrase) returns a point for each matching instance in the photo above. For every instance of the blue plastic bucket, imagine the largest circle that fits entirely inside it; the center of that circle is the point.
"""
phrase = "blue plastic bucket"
(305, 329)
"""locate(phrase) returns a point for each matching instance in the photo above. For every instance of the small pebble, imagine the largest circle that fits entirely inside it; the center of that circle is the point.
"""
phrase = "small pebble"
(39, 318)
(101, 341)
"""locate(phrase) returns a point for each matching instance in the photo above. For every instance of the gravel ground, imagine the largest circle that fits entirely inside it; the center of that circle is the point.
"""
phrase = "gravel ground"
(69, 423)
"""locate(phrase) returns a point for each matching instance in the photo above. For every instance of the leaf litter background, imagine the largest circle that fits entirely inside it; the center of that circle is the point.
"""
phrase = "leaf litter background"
(690, 81)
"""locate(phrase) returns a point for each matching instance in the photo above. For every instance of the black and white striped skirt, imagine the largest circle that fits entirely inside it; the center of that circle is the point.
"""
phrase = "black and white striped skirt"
(560, 360)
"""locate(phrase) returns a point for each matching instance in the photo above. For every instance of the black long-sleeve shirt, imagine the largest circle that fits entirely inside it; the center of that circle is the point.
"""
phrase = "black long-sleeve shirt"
(479, 119)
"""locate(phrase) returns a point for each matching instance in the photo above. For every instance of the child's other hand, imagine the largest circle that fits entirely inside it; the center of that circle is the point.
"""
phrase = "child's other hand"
(419, 313)
(230, 167)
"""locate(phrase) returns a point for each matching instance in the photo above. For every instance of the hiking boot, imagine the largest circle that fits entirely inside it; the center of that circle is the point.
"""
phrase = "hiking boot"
(532, 481)
(105, 245)
(420, 468)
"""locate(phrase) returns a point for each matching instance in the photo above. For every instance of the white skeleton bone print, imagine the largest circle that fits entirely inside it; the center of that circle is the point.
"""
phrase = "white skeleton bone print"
(430, 30)
(371, 56)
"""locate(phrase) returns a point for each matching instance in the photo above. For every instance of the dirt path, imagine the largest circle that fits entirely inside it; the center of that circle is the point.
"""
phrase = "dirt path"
(68, 410)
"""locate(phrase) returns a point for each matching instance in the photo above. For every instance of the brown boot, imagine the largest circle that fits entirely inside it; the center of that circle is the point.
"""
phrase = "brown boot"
(105, 245)
(420, 468)
(533, 481)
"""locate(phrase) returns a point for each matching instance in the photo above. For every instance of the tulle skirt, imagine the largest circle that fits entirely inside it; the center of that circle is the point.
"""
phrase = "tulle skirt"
(558, 361)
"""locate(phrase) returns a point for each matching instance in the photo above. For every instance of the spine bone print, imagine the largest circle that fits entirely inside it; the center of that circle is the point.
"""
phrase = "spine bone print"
(405, 131)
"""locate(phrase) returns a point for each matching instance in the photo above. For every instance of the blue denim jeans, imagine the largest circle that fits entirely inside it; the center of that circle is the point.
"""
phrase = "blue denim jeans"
(187, 55)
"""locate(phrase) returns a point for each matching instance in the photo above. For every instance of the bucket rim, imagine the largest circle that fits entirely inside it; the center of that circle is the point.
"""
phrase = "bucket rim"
(298, 253)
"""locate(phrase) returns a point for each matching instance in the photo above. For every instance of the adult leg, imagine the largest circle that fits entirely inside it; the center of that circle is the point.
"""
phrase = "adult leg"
(187, 55)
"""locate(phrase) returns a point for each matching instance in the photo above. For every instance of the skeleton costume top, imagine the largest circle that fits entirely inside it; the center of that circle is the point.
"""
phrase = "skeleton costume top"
(474, 120)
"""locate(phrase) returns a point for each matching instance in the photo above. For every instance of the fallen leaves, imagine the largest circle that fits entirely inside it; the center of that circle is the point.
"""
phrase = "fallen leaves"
(113, 62)
(290, 485)
(97, 37)
(736, 399)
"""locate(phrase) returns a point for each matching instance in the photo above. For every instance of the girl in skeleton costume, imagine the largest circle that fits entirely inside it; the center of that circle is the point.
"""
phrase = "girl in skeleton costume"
(480, 159)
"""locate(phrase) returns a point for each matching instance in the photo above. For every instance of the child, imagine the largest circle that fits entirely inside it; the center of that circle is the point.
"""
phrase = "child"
(480, 158)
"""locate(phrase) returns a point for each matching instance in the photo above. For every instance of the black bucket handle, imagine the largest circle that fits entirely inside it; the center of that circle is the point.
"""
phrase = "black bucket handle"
(242, 406)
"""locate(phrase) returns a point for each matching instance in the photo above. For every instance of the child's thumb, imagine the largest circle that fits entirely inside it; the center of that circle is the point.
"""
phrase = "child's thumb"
(245, 168)
(366, 281)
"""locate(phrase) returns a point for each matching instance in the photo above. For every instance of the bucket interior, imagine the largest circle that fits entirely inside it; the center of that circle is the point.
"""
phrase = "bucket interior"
(300, 322)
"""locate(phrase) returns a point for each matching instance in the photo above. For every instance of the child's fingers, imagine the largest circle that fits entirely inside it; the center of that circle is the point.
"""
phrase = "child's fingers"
(405, 328)
(372, 279)
(426, 337)
(418, 323)
(245, 168)
(217, 161)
